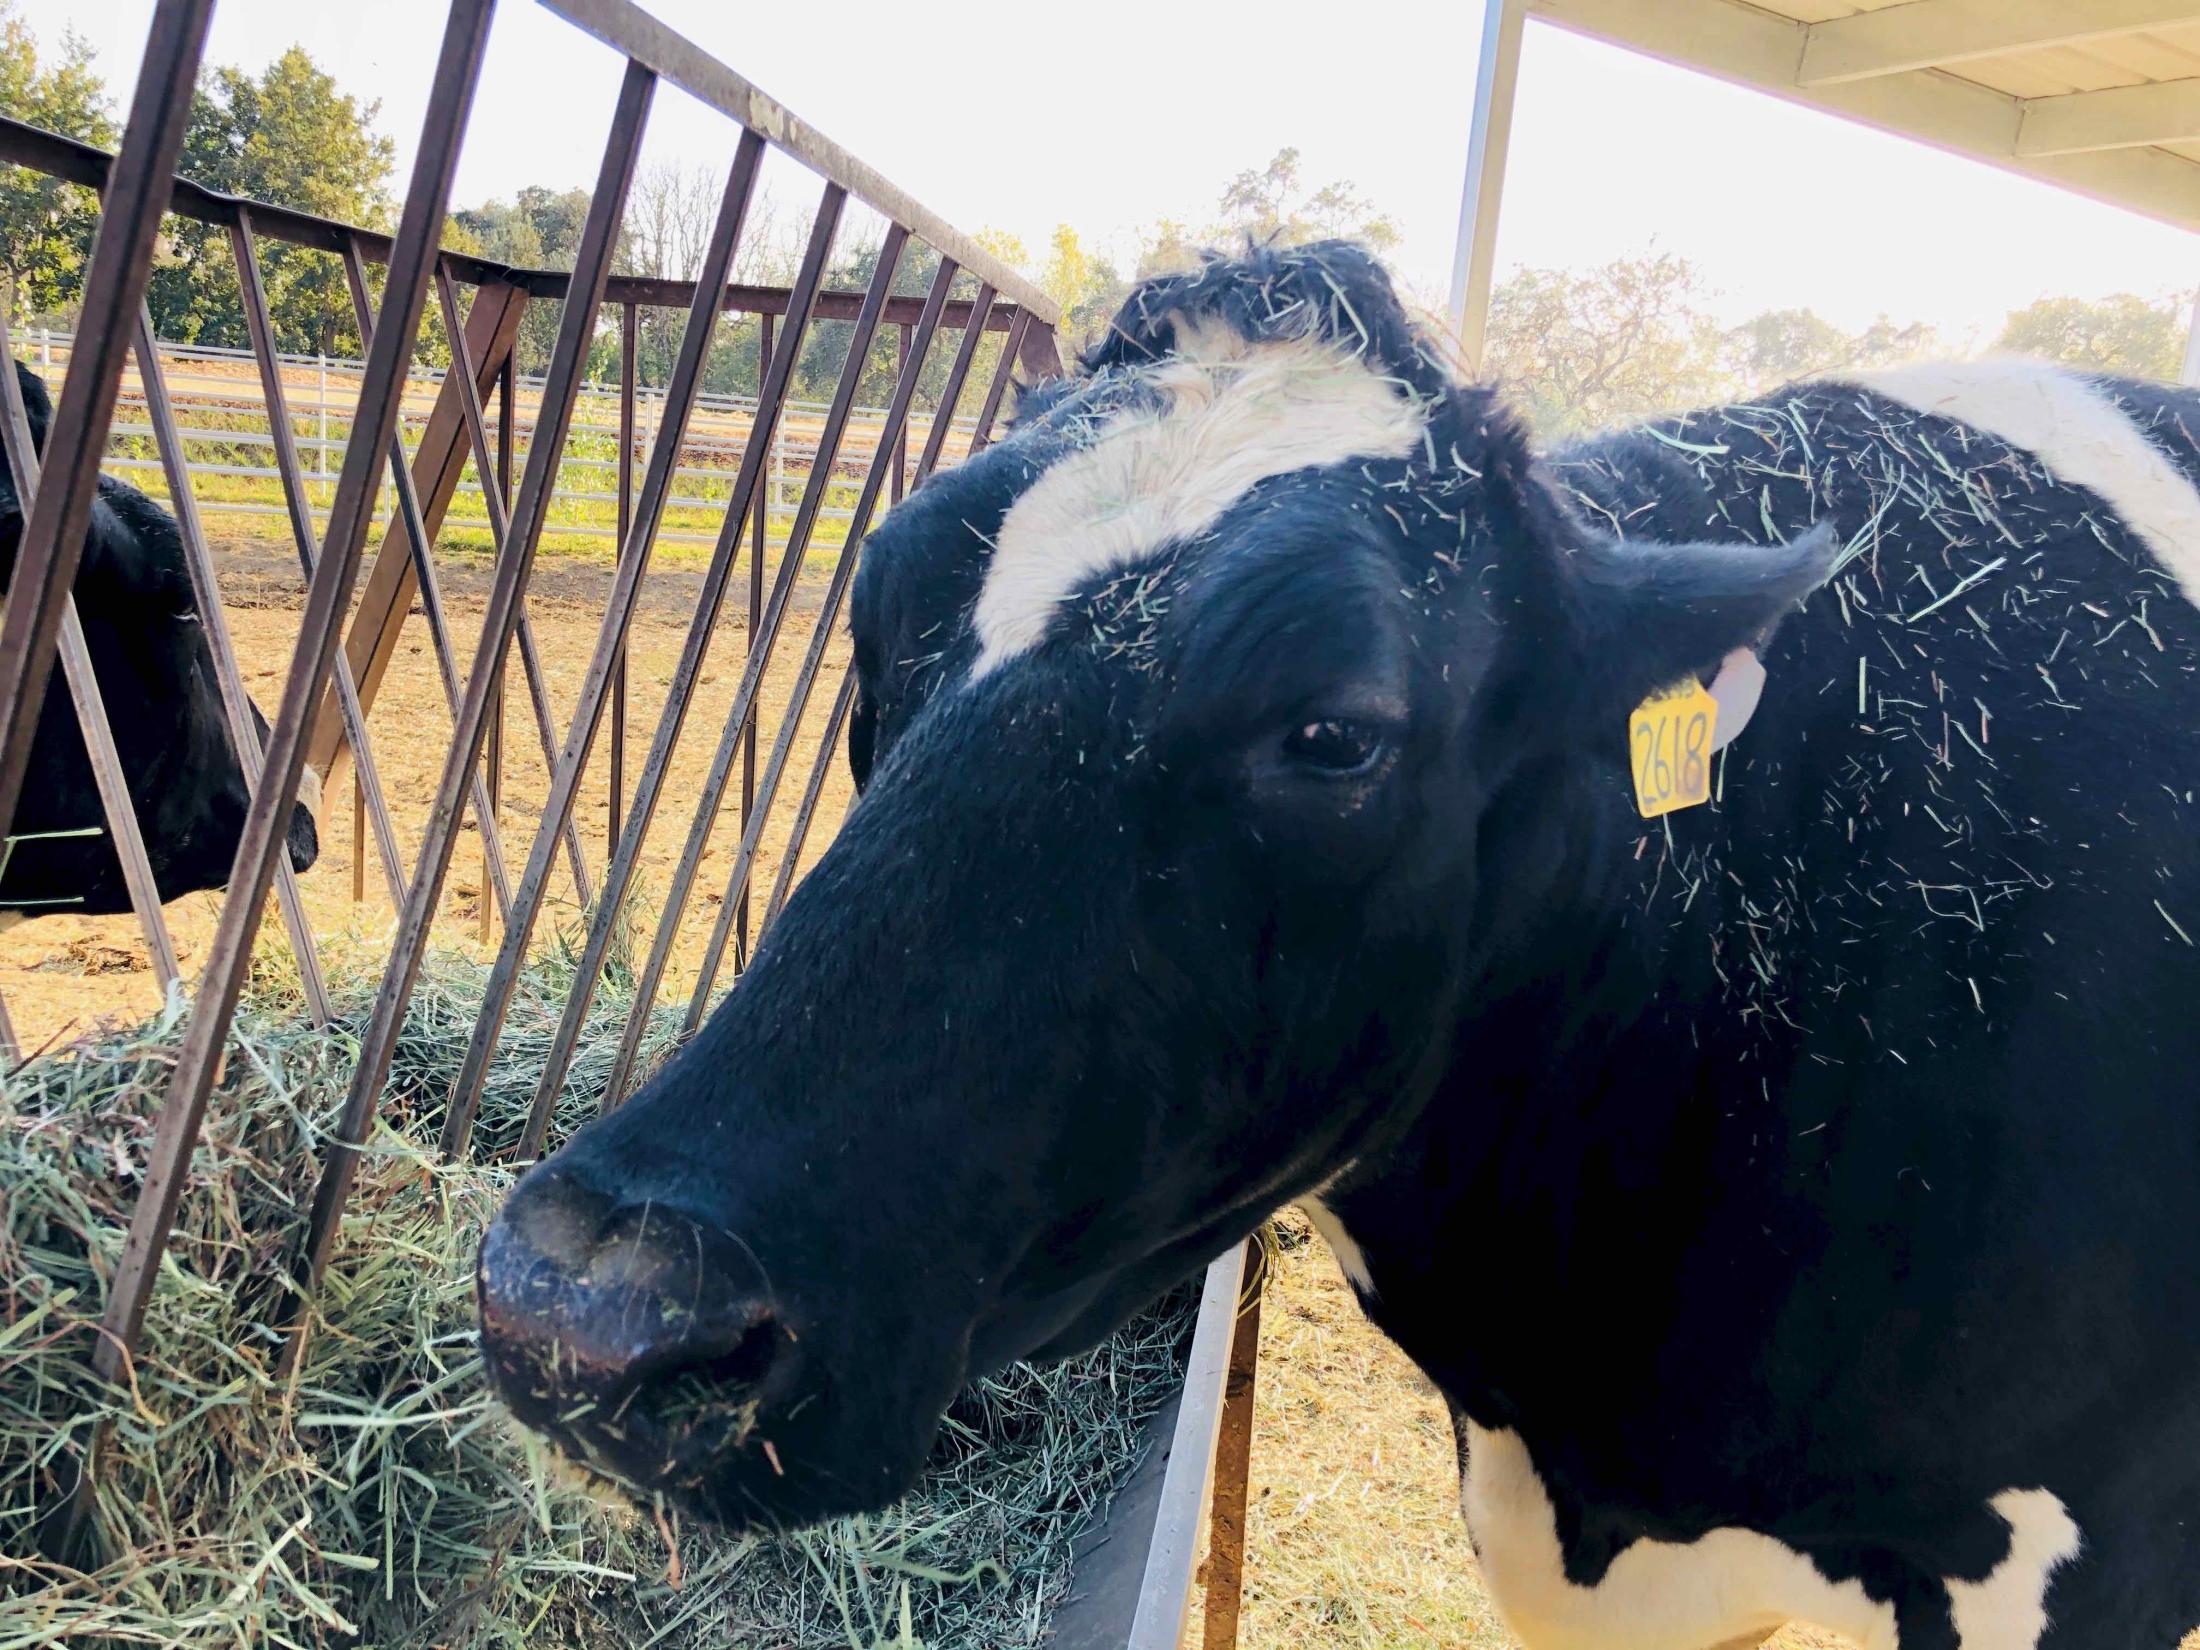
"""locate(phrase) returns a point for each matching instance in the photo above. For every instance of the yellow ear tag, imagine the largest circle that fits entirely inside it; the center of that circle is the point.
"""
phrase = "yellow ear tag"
(1670, 738)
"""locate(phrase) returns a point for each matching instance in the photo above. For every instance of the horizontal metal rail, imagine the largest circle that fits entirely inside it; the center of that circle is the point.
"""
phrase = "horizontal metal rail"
(89, 165)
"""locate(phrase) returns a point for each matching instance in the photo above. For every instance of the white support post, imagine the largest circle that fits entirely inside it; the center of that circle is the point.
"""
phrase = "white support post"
(1489, 137)
(2191, 371)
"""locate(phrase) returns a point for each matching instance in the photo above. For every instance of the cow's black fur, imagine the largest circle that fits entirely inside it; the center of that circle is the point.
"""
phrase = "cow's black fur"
(156, 676)
(1821, 1161)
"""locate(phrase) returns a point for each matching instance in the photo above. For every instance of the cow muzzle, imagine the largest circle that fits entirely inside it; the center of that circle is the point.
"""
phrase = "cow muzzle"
(641, 1340)
(303, 839)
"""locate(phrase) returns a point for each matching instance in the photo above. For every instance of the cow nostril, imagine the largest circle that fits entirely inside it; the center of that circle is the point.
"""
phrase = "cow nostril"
(750, 1359)
(720, 1368)
(705, 1386)
(646, 1341)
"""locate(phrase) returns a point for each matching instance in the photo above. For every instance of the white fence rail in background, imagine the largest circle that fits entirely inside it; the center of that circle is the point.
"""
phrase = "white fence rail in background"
(205, 393)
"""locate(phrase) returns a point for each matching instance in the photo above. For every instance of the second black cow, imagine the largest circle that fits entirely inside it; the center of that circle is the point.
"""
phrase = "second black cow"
(156, 674)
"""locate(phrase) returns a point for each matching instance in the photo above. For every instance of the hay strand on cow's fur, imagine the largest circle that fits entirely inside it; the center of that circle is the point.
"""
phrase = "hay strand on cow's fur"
(377, 1496)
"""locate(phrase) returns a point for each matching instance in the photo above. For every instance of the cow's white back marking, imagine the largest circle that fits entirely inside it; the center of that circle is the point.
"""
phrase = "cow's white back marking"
(2074, 430)
(2008, 1610)
(1233, 414)
(1728, 1584)
(1657, 1595)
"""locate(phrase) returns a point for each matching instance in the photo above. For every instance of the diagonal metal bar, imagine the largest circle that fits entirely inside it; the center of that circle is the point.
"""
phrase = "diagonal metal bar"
(900, 479)
(649, 789)
(538, 487)
(821, 634)
(982, 436)
(493, 468)
(91, 706)
(619, 610)
(493, 762)
(761, 529)
(431, 591)
(293, 472)
(799, 833)
(450, 98)
(52, 541)
(431, 598)
(244, 732)
(616, 799)
(764, 642)
(966, 352)
(387, 587)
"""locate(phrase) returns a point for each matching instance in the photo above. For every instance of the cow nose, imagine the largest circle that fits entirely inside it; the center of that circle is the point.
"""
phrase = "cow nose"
(304, 837)
(639, 1337)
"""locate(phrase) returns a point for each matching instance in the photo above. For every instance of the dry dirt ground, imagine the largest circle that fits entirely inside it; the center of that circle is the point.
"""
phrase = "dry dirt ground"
(60, 972)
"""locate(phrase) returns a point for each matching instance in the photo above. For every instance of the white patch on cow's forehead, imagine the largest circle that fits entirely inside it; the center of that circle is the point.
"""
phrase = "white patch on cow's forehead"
(1231, 413)
(2077, 432)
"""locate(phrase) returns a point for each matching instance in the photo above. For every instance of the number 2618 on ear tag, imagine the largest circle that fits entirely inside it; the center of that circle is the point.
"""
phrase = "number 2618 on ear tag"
(1669, 743)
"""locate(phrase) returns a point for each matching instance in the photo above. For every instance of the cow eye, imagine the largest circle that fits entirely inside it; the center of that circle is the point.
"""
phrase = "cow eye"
(1335, 747)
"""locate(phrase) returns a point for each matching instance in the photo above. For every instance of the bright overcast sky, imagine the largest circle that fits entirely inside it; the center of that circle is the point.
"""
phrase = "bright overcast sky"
(1043, 114)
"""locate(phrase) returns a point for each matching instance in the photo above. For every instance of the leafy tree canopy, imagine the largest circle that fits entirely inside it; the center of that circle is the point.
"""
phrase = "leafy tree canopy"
(291, 136)
(46, 226)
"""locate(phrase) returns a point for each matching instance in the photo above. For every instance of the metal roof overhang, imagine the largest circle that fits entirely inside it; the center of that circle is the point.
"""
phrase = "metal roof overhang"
(2100, 97)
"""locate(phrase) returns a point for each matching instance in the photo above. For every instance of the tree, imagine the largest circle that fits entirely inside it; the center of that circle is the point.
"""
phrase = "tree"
(47, 226)
(1273, 204)
(292, 138)
(2122, 333)
(1576, 349)
(1168, 246)
(1264, 205)
(1004, 246)
(1782, 345)
(537, 229)
(1086, 286)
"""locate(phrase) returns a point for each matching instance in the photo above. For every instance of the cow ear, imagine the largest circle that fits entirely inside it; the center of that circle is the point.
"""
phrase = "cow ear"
(1646, 615)
(862, 738)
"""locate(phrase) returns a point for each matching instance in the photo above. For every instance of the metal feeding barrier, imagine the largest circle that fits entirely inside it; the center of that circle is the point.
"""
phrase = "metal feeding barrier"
(1145, 1564)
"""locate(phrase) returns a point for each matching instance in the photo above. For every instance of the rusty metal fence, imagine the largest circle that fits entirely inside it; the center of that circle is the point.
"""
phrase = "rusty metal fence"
(334, 671)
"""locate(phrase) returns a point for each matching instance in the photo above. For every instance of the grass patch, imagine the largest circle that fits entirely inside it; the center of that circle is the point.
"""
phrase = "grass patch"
(379, 1497)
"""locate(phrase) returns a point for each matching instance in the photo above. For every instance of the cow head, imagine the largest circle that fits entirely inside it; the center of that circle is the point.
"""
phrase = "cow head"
(156, 676)
(1217, 729)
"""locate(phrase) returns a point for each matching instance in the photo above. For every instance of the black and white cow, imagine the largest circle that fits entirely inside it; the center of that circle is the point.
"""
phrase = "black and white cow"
(156, 674)
(1796, 1196)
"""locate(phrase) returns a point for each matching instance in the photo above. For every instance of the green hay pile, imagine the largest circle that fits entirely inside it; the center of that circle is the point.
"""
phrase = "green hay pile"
(378, 1497)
